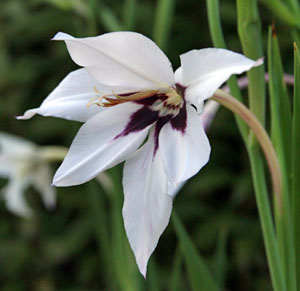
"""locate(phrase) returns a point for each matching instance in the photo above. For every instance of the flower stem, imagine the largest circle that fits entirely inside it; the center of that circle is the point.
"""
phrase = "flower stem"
(257, 168)
(242, 111)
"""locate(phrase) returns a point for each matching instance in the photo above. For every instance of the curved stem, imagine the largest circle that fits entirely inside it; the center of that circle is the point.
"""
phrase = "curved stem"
(243, 112)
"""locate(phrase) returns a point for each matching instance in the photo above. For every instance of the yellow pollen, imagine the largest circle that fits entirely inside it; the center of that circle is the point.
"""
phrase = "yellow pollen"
(173, 97)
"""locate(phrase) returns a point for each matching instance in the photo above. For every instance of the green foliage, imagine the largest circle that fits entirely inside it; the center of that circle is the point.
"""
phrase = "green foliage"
(81, 245)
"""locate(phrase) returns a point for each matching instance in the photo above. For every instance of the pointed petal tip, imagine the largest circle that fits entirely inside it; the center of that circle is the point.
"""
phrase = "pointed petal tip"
(259, 62)
(61, 36)
(143, 268)
(27, 115)
(56, 182)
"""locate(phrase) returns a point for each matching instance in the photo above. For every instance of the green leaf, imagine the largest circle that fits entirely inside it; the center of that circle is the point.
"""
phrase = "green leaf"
(200, 277)
(217, 36)
(162, 22)
(175, 278)
(220, 258)
(296, 161)
(281, 116)
(129, 9)
(108, 18)
(153, 276)
(282, 11)
(249, 30)
(281, 125)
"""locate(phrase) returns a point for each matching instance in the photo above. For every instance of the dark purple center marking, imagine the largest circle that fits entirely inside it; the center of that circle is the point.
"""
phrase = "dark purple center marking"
(139, 120)
(179, 121)
(159, 125)
(146, 116)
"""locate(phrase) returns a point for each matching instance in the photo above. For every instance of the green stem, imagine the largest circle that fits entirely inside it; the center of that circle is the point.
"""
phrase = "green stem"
(296, 162)
(249, 30)
(214, 22)
(216, 33)
(283, 12)
(265, 216)
(242, 111)
(258, 174)
(162, 22)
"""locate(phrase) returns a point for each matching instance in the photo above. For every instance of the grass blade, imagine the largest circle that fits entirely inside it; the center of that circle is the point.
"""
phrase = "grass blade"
(200, 277)
(162, 22)
(220, 259)
(218, 40)
(281, 124)
(282, 11)
(281, 116)
(108, 18)
(296, 161)
(129, 8)
(249, 29)
(175, 278)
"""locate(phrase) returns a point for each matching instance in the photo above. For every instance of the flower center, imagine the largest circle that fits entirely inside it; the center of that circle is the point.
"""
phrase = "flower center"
(166, 101)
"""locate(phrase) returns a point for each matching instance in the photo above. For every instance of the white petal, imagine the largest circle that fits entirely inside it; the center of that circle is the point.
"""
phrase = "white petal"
(205, 70)
(147, 207)
(184, 154)
(95, 147)
(42, 183)
(14, 197)
(210, 109)
(178, 76)
(11, 145)
(70, 98)
(15, 154)
(121, 59)
(173, 188)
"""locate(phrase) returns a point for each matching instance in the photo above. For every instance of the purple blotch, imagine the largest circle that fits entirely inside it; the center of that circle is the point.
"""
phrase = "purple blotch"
(180, 89)
(159, 124)
(179, 121)
(148, 101)
(139, 120)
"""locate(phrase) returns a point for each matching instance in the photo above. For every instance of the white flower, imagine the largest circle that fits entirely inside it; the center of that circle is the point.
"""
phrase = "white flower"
(146, 115)
(21, 162)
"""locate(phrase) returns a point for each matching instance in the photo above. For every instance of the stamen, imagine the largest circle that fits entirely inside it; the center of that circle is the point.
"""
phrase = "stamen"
(137, 96)
(168, 100)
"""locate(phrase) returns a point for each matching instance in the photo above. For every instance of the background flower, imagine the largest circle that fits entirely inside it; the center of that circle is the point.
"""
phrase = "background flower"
(23, 166)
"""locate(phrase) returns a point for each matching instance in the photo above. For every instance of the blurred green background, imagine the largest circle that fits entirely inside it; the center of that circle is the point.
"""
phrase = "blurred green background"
(59, 249)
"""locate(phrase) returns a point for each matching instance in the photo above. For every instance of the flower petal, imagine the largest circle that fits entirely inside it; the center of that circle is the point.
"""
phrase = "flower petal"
(184, 153)
(147, 207)
(14, 196)
(121, 60)
(41, 181)
(15, 154)
(15, 146)
(204, 71)
(70, 98)
(100, 145)
(173, 188)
